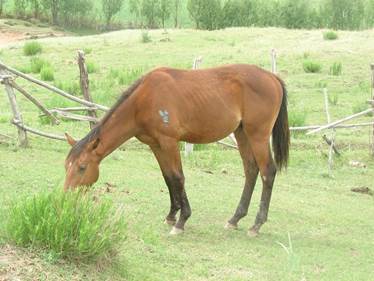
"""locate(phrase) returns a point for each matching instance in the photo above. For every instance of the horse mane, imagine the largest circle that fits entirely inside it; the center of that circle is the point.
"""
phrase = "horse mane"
(94, 133)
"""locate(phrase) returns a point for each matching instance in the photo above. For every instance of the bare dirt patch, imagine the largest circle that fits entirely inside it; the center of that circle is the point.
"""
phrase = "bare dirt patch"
(10, 37)
(16, 30)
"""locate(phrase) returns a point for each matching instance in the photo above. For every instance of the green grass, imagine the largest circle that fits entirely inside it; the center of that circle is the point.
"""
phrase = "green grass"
(69, 225)
(297, 119)
(32, 48)
(317, 230)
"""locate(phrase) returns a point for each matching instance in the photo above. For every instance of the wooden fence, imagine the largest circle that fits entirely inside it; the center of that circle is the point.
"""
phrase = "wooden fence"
(8, 75)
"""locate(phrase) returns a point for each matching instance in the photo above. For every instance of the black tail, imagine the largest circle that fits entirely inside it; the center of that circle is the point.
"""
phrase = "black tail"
(281, 133)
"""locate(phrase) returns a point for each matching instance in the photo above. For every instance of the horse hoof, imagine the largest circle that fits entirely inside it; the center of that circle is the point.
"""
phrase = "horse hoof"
(231, 226)
(176, 231)
(253, 233)
(169, 222)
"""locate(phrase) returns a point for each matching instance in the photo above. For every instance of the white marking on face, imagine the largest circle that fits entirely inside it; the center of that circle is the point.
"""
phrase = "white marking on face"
(70, 164)
(264, 178)
(164, 115)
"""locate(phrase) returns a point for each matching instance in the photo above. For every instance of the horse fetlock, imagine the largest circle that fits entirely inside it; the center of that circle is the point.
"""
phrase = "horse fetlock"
(176, 231)
(170, 221)
(230, 225)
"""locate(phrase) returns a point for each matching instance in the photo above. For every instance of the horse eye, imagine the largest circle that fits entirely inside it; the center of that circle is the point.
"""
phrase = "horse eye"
(82, 168)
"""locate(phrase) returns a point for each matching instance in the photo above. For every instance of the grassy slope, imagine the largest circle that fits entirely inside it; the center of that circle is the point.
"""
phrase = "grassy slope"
(330, 227)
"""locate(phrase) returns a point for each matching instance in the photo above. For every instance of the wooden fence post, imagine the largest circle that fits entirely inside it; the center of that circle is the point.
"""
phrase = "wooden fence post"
(17, 117)
(188, 147)
(274, 61)
(85, 85)
(372, 104)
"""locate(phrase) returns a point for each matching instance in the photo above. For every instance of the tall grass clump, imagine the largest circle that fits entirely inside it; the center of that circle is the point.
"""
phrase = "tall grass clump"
(146, 38)
(310, 66)
(32, 48)
(336, 69)
(36, 64)
(330, 35)
(70, 225)
(91, 67)
(47, 73)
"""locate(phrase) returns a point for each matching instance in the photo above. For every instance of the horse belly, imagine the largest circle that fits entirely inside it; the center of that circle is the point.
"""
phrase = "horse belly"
(207, 128)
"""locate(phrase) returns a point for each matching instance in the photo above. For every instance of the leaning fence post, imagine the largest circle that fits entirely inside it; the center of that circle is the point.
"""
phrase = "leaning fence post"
(17, 117)
(85, 85)
(188, 147)
(332, 144)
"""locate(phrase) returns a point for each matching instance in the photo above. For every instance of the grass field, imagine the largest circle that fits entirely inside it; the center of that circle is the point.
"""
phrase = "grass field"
(317, 230)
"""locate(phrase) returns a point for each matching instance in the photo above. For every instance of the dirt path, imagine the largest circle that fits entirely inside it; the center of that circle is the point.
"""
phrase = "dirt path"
(10, 37)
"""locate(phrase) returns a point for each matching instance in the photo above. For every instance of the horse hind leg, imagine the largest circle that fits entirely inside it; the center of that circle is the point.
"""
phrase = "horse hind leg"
(263, 157)
(251, 173)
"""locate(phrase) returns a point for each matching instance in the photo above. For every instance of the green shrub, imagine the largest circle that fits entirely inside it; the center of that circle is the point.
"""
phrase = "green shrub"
(91, 67)
(310, 66)
(336, 69)
(330, 35)
(146, 38)
(87, 50)
(69, 225)
(297, 119)
(32, 48)
(36, 64)
(46, 73)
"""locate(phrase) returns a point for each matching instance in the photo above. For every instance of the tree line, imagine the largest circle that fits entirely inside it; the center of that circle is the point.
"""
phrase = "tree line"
(204, 14)
(296, 14)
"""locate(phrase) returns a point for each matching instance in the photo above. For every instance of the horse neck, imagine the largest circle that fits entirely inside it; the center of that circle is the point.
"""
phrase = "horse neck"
(118, 128)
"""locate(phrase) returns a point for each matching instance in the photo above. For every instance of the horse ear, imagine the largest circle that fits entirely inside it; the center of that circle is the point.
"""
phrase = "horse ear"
(70, 140)
(95, 144)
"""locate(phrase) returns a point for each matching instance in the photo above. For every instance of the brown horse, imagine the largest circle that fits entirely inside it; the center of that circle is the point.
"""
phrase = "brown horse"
(200, 106)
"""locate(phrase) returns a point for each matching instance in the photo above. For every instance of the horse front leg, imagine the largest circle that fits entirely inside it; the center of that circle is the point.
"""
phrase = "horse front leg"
(168, 157)
(174, 203)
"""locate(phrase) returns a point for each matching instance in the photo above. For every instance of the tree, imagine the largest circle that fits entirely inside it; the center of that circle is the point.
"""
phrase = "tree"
(73, 10)
(35, 6)
(2, 2)
(205, 13)
(295, 13)
(110, 8)
(344, 14)
(176, 12)
(194, 8)
(165, 11)
(151, 12)
(135, 7)
(20, 8)
(53, 6)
